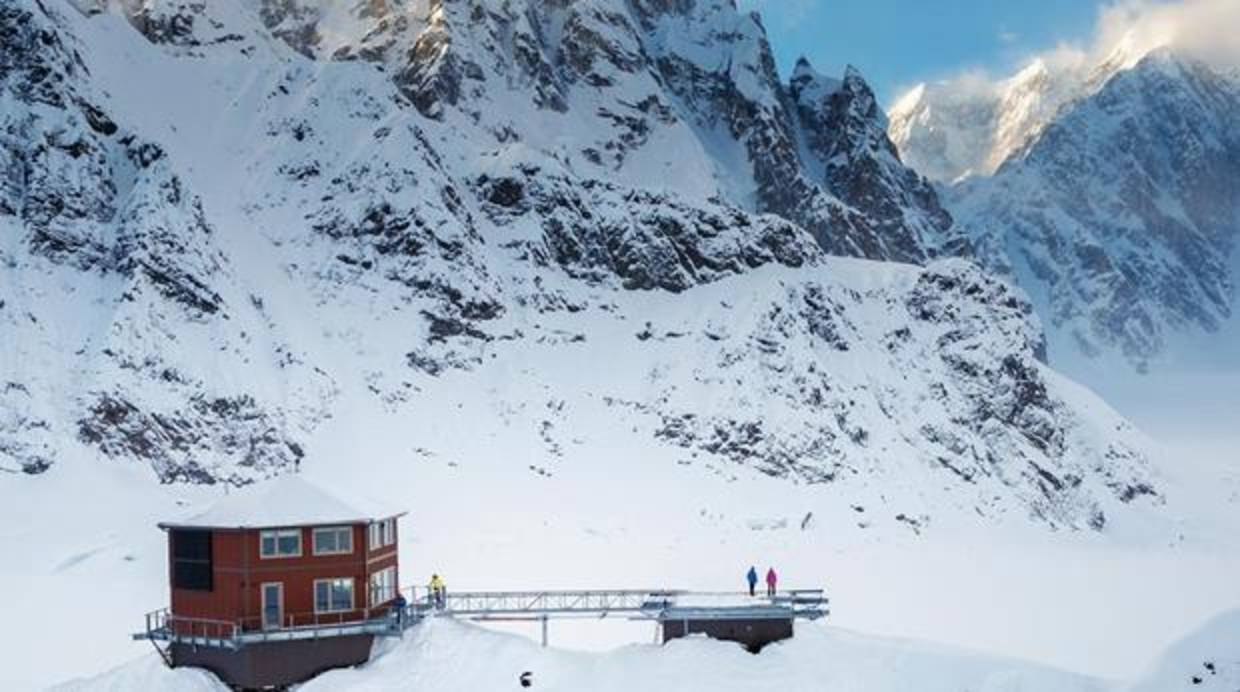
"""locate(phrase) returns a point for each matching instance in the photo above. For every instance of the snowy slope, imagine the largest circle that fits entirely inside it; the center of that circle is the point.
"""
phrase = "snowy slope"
(621, 515)
(1209, 659)
(445, 655)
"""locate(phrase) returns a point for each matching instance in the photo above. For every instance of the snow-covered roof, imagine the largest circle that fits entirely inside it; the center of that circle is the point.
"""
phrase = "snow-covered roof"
(289, 500)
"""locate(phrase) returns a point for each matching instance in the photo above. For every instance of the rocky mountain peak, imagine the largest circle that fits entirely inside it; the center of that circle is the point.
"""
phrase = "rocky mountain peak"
(853, 77)
(1029, 76)
(807, 85)
(845, 131)
(1123, 210)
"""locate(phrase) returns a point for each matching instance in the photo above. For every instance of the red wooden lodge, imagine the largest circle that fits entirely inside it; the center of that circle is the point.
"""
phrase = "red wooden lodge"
(270, 587)
(278, 583)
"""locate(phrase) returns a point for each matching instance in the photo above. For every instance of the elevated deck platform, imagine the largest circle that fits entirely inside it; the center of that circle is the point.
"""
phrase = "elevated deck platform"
(164, 627)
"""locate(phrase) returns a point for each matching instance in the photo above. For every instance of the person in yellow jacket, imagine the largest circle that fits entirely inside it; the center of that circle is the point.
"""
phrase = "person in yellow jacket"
(439, 591)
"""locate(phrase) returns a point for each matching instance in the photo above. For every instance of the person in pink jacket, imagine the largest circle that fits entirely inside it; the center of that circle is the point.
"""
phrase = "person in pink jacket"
(771, 580)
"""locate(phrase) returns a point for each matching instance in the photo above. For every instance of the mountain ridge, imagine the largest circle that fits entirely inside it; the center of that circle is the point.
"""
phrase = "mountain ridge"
(366, 253)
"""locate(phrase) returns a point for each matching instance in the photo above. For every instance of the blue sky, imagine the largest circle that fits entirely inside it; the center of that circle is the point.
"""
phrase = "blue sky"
(897, 43)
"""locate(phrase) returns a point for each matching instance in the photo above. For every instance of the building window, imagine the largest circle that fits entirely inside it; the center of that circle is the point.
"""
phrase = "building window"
(191, 560)
(333, 595)
(333, 540)
(281, 543)
(382, 533)
(382, 586)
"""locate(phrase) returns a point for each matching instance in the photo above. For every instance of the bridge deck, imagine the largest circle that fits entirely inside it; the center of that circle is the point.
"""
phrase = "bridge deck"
(807, 604)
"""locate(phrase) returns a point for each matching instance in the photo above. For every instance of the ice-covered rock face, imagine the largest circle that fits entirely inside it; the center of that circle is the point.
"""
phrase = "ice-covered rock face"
(99, 223)
(630, 90)
(206, 285)
(845, 133)
(967, 347)
(1123, 212)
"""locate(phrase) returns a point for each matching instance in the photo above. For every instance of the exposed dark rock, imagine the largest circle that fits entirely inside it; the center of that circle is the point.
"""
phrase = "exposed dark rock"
(242, 441)
(649, 240)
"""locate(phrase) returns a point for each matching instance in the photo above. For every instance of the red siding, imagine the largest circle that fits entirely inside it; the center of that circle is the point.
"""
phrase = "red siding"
(239, 573)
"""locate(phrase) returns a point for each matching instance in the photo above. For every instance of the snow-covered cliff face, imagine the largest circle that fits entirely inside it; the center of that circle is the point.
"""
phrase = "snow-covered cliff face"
(682, 96)
(1121, 217)
(844, 135)
(221, 237)
(114, 282)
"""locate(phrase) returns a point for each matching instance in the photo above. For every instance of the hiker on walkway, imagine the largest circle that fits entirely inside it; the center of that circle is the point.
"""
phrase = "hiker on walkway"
(439, 591)
(398, 607)
(771, 580)
(752, 578)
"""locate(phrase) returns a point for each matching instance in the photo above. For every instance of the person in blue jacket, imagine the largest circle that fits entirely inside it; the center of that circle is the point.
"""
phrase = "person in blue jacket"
(752, 577)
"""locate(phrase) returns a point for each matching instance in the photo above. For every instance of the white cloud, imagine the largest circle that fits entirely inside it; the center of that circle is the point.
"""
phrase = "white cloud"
(1204, 29)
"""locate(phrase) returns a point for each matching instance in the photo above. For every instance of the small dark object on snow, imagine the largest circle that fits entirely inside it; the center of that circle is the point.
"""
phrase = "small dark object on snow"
(527, 679)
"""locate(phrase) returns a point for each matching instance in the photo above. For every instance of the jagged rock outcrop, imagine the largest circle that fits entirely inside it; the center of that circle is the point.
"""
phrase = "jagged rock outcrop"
(645, 240)
(846, 132)
(620, 80)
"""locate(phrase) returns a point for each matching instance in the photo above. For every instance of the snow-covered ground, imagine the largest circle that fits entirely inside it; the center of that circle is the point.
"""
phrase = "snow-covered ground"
(444, 655)
(1101, 605)
(450, 656)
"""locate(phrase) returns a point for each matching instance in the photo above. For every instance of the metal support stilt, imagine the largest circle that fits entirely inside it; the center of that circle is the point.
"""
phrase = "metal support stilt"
(544, 630)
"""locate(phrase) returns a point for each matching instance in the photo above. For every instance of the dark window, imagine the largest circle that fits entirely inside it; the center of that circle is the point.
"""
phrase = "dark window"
(191, 560)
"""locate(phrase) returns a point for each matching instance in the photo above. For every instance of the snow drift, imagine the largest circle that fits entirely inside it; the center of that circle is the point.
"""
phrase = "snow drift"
(445, 655)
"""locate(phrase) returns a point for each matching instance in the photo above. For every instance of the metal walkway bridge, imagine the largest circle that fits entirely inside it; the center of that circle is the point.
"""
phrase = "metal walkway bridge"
(495, 604)
(659, 605)
(809, 604)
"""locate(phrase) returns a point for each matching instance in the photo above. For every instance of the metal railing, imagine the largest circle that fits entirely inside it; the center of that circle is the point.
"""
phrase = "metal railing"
(597, 602)
(808, 601)
(799, 603)
(161, 625)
